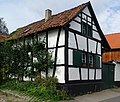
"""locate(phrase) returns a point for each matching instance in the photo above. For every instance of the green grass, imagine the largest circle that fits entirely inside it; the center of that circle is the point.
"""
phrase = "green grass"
(44, 91)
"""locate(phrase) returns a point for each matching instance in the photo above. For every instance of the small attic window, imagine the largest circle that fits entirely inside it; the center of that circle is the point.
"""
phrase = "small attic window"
(26, 30)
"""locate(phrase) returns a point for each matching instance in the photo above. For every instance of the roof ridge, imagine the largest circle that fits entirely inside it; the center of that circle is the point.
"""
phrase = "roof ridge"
(57, 14)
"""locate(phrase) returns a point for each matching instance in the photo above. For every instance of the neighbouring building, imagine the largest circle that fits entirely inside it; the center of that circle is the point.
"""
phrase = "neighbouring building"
(2, 37)
(113, 55)
(77, 43)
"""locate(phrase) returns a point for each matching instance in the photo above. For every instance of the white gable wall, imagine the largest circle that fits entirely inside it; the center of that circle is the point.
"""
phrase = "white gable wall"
(86, 11)
(91, 45)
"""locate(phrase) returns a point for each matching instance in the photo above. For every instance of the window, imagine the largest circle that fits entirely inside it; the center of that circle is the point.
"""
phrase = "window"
(86, 29)
(83, 59)
(91, 60)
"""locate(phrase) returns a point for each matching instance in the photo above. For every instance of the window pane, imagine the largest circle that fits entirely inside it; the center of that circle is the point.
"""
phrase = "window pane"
(84, 28)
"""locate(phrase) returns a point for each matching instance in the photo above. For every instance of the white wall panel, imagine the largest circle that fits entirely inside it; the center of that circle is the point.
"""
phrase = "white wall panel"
(92, 46)
(78, 19)
(98, 73)
(70, 57)
(72, 41)
(52, 38)
(60, 74)
(84, 73)
(96, 35)
(117, 72)
(76, 26)
(60, 56)
(50, 72)
(94, 27)
(74, 74)
(86, 11)
(91, 74)
(62, 38)
(99, 48)
(82, 42)
(53, 52)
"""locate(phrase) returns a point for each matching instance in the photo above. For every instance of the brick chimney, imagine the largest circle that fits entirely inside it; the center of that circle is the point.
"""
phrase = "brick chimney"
(48, 14)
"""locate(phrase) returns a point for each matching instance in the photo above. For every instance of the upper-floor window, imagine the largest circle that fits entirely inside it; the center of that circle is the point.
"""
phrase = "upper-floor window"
(86, 29)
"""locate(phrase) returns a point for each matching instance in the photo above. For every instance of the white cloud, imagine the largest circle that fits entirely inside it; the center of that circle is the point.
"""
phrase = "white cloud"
(19, 13)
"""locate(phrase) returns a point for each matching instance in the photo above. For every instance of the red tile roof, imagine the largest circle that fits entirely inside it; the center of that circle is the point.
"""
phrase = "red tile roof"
(57, 20)
(113, 40)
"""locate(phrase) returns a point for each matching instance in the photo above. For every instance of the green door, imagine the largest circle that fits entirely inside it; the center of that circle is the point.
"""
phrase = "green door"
(108, 75)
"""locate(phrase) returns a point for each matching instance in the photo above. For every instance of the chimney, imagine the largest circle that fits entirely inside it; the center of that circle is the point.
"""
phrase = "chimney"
(48, 14)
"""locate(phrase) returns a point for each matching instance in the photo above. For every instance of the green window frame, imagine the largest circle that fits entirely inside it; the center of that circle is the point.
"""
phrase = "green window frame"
(86, 29)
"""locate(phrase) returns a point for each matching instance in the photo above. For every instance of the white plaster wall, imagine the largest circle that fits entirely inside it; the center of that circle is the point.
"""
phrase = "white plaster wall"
(52, 38)
(78, 19)
(92, 46)
(50, 72)
(94, 27)
(99, 48)
(71, 40)
(98, 74)
(53, 52)
(117, 72)
(84, 73)
(76, 26)
(60, 56)
(60, 74)
(70, 57)
(74, 74)
(96, 35)
(62, 38)
(82, 42)
(91, 74)
(86, 10)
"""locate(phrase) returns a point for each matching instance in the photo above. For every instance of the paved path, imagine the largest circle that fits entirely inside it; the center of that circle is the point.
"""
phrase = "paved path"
(109, 95)
(115, 99)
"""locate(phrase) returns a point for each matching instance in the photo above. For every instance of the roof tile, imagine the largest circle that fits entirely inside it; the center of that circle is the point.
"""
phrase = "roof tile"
(57, 20)
(113, 40)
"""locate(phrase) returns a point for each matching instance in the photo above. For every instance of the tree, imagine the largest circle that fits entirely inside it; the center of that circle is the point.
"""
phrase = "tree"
(3, 28)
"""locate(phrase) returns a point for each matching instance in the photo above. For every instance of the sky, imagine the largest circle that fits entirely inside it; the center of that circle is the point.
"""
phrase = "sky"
(18, 13)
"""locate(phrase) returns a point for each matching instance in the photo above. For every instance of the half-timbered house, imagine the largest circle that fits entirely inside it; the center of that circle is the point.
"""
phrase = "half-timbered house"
(76, 40)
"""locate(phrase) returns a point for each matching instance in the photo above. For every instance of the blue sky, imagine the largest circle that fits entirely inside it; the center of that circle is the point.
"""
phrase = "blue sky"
(18, 13)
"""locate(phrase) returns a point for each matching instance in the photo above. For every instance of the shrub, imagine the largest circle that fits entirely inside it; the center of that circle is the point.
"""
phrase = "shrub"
(46, 90)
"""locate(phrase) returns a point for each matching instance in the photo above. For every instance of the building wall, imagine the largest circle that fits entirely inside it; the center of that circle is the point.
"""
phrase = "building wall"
(80, 42)
(57, 52)
(117, 72)
(111, 55)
